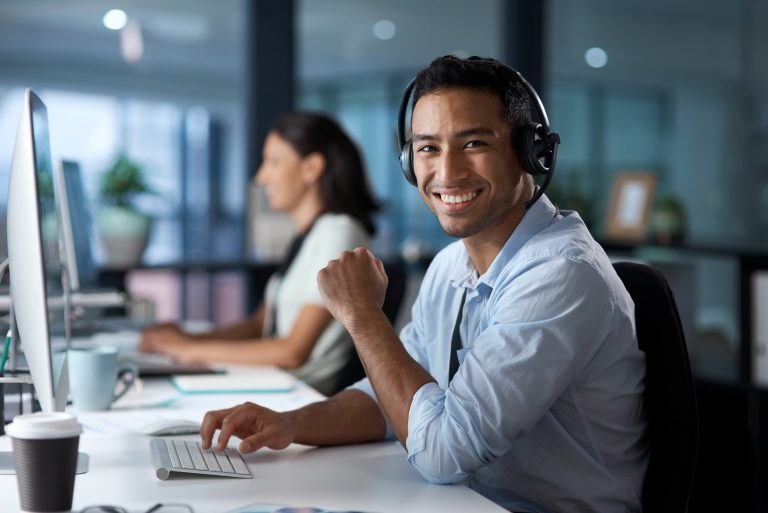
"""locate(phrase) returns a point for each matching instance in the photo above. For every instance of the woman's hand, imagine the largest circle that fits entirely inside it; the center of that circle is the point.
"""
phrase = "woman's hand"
(158, 338)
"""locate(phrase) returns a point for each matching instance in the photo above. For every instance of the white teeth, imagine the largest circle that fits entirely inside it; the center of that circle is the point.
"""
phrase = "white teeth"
(449, 198)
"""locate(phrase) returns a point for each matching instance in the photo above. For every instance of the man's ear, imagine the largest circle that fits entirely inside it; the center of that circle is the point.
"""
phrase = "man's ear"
(313, 167)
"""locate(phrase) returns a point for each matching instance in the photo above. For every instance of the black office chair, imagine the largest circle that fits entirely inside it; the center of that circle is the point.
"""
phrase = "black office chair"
(397, 275)
(670, 396)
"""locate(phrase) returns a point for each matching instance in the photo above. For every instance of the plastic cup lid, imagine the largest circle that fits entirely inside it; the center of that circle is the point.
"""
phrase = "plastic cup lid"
(40, 426)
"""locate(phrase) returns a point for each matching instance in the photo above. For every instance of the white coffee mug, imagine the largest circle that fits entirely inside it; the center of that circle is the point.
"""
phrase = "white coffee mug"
(94, 373)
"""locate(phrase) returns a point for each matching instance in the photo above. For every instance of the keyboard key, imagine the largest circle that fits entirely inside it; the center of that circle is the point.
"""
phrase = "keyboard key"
(181, 449)
(237, 461)
(196, 455)
(210, 459)
(172, 453)
(226, 466)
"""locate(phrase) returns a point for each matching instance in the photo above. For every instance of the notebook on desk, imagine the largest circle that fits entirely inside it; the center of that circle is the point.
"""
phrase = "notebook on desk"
(261, 380)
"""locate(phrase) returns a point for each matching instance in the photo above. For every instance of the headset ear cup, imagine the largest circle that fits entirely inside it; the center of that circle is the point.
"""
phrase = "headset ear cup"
(532, 146)
(406, 163)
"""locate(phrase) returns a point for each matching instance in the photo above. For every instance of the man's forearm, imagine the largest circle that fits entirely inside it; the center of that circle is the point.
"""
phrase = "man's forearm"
(394, 375)
(349, 417)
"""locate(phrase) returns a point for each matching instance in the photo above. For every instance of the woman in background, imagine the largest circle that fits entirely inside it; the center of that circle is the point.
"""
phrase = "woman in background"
(314, 172)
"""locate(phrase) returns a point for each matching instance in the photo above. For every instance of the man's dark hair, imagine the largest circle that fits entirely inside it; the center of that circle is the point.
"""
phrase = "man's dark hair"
(343, 186)
(478, 73)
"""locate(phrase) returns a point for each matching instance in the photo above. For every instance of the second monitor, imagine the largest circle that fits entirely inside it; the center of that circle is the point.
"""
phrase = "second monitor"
(76, 240)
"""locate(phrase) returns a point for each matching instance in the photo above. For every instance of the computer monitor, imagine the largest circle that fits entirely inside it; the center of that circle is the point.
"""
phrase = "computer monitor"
(38, 291)
(75, 225)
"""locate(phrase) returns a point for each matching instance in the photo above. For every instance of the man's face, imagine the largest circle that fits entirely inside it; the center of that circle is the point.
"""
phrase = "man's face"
(465, 164)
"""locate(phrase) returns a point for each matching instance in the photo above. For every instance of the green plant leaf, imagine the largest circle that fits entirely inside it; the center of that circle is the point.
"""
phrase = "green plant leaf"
(122, 182)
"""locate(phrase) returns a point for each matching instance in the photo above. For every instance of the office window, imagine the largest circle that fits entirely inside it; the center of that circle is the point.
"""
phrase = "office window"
(102, 102)
(354, 72)
(674, 88)
(606, 130)
(171, 143)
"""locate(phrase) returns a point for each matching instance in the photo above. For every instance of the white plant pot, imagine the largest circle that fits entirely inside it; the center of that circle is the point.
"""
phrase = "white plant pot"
(124, 234)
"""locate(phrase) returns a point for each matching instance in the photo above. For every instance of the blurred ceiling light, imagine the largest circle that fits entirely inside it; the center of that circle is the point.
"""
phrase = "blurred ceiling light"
(115, 19)
(132, 43)
(596, 57)
(384, 29)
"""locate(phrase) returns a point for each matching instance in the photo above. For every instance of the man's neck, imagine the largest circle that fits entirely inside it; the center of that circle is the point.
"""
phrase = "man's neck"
(484, 247)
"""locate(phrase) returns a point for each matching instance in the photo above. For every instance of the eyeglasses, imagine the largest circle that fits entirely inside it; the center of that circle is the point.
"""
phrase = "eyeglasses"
(168, 507)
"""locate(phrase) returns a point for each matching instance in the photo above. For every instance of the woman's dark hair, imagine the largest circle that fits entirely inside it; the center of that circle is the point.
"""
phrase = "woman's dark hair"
(343, 186)
(478, 73)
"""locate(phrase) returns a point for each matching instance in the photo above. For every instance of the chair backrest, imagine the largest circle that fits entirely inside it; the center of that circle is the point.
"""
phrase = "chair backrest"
(670, 396)
(397, 275)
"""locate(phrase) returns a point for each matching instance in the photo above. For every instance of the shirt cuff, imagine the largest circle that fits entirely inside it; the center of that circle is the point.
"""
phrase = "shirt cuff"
(436, 466)
(428, 402)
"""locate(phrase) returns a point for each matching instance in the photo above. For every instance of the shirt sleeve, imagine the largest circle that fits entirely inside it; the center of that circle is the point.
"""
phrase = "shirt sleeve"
(545, 324)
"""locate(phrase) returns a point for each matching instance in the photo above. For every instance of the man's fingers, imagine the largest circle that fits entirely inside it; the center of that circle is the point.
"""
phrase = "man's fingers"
(226, 430)
(380, 267)
(254, 442)
(239, 421)
(269, 436)
(211, 423)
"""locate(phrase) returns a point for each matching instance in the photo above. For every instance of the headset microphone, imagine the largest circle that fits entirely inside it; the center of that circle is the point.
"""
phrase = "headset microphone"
(535, 143)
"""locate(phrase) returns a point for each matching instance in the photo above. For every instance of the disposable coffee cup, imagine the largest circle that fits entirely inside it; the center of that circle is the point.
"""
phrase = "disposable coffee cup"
(45, 456)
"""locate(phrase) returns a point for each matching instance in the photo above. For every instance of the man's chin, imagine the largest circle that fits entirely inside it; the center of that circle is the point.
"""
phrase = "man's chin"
(459, 232)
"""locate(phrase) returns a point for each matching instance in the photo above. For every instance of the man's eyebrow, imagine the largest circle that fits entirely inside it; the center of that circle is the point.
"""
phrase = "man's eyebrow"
(469, 132)
(477, 131)
(423, 137)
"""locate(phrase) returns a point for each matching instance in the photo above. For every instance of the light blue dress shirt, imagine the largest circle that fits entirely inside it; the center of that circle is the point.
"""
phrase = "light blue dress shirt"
(545, 412)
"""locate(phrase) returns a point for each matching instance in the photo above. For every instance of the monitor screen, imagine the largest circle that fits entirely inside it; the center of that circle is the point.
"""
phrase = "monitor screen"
(49, 234)
(38, 292)
(75, 226)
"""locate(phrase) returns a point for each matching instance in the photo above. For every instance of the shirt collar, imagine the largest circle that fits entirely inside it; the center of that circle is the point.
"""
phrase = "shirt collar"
(536, 219)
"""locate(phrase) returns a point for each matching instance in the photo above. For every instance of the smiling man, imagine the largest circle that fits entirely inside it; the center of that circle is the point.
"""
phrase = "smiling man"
(519, 373)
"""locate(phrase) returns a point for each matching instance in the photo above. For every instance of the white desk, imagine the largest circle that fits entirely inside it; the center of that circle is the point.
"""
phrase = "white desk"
(370, 477)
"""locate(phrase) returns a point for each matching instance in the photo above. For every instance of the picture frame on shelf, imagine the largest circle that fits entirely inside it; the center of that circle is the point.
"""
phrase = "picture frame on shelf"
(630, 205)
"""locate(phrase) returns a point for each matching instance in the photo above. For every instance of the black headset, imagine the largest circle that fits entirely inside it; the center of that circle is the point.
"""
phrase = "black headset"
(536, 144)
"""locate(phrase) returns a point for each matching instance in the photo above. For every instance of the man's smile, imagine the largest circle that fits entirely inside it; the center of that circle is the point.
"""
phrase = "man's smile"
(456, 201)
(458, 198)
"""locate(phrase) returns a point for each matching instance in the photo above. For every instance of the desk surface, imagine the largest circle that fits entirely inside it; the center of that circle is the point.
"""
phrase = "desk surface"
(369, 477)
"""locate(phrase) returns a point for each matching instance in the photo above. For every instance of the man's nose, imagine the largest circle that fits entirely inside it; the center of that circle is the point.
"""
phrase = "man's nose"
(451, 166)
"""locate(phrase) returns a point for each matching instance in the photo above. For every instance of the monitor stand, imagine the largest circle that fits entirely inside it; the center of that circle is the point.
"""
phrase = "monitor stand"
(7, 467)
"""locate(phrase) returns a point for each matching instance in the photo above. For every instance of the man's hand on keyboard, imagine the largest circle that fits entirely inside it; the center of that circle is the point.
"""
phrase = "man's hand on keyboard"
(256, 426)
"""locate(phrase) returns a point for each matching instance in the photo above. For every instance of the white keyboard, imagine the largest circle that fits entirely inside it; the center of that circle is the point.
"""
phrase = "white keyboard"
(188, 457)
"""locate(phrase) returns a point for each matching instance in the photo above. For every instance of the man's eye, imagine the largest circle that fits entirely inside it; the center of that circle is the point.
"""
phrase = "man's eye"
(426, 148)
(475, 144)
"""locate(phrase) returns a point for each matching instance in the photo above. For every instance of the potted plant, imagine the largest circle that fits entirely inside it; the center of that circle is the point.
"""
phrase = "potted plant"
(668, 221)
(123, 229)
